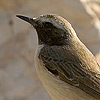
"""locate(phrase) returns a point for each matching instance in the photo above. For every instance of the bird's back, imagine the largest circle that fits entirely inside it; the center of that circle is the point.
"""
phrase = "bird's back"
(71, 75)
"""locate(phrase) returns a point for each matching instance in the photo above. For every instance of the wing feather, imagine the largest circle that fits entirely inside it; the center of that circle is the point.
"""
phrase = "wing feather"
(71, 70)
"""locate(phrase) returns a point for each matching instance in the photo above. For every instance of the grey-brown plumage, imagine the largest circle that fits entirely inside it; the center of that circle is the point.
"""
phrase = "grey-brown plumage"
(64, 57)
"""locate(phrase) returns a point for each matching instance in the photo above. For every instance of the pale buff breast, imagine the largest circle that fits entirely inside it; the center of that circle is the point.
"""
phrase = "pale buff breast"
(58, 89)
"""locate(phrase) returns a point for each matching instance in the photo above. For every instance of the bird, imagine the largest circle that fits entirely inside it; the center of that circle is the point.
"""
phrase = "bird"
(66, 67)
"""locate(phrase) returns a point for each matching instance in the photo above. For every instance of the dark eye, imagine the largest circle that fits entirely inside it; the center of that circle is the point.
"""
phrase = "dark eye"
(48, 24)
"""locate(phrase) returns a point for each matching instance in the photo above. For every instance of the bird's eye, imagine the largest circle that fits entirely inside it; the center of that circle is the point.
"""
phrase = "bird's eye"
(48, 24)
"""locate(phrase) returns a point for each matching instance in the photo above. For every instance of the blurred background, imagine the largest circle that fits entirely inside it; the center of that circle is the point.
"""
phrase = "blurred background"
(18, 41)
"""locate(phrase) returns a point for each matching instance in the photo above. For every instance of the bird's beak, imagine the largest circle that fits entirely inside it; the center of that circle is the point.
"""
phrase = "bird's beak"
(32, 21)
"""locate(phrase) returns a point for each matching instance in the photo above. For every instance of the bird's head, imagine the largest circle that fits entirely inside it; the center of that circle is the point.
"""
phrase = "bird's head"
(51, 29)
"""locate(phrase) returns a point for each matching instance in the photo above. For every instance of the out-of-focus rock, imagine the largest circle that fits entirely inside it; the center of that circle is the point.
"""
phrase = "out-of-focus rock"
(94, 6)
(98, 57)
(18, 41)
(93, 36)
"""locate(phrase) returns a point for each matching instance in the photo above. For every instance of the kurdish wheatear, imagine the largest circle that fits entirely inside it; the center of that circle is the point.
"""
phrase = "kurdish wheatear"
(67, 69)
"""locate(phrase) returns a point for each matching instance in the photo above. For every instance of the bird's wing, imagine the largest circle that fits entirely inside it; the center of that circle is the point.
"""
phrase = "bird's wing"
(71, 71)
